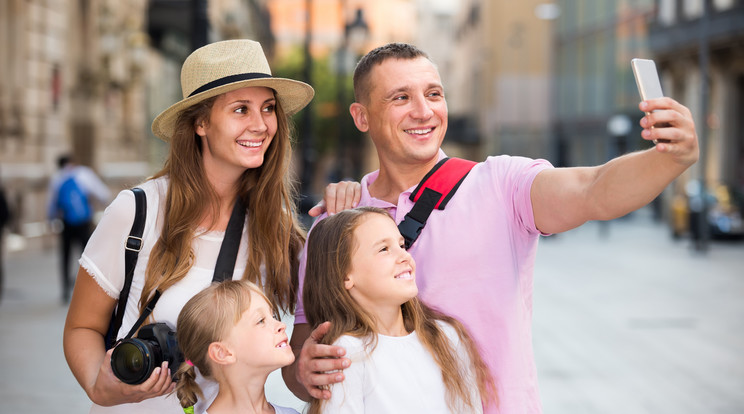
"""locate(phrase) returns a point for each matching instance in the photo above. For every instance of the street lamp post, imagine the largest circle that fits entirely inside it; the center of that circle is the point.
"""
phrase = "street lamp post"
(355, 35)
(702, 220)
(306, 142)
(199, 23)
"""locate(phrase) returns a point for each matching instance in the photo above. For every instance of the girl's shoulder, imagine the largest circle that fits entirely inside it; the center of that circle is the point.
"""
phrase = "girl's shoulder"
(357, 349)
(449, 331)
(349, 342)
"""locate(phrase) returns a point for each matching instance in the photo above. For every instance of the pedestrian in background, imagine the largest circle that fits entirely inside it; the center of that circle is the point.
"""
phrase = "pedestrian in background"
(4, 220)
(71, 194)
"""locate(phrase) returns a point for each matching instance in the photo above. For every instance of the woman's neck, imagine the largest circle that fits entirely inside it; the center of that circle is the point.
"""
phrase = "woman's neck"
(226, 190)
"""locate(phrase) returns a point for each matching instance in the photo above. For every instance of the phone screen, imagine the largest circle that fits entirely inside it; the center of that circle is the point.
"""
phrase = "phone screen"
(646, 78)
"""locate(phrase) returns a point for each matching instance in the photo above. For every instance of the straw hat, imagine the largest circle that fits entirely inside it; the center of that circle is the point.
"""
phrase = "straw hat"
(225, 66)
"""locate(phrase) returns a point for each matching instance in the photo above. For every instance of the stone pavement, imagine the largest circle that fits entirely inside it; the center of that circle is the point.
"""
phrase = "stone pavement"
(630, 322)
(637, 323)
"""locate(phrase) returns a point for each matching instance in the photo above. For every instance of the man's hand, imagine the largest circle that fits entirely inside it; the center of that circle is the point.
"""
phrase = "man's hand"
(320, 365)
(338, 197)
(672, 128)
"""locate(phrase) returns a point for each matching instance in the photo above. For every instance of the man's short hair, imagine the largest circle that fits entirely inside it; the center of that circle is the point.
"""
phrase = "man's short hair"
(376, 57)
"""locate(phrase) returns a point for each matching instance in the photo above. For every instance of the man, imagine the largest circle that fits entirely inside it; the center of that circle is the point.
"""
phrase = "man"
(70, 193)
(475, 258)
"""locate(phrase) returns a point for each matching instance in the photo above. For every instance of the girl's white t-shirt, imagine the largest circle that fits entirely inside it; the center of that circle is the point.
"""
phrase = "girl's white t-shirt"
(398, 376)
(103, 258)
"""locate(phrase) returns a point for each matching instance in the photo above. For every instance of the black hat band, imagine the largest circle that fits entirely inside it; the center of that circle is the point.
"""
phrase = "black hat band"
(228, 79)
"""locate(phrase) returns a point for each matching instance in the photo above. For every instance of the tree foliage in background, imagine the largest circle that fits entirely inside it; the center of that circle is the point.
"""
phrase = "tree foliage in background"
(326, 112)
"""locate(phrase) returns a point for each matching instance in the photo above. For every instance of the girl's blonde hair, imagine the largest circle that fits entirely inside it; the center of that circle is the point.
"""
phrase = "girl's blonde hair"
(275, 238)
(331, 245)
(206, 318)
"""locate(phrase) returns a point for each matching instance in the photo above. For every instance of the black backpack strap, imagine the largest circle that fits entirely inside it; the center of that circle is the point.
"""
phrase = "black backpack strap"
(131, 252)
(223, 270)
(433, 192)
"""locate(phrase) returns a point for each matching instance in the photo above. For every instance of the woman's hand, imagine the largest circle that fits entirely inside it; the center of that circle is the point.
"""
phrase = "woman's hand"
(87, 322)
(338, 197)
(108, 390)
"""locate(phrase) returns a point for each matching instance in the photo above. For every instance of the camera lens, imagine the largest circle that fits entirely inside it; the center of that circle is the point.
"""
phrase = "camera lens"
(133, 361)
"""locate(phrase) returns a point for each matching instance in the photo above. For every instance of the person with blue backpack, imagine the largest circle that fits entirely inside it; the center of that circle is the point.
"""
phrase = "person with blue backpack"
(71, 192)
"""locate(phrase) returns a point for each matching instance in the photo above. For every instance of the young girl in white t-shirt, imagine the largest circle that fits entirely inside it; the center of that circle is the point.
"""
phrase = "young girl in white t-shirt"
(406, 357)
(228, 332)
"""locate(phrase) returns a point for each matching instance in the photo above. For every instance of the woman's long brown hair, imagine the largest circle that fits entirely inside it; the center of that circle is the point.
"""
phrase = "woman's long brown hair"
(331, 245)
(275, 237)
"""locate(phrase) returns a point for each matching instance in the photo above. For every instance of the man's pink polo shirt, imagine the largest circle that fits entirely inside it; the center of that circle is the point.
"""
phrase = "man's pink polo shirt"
(474, 261)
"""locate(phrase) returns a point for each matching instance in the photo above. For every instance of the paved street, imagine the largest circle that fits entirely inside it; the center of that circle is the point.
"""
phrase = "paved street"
(625, 322)
(636, 323)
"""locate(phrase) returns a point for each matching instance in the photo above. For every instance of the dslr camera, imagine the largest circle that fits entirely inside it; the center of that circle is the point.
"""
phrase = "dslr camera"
(134, 359)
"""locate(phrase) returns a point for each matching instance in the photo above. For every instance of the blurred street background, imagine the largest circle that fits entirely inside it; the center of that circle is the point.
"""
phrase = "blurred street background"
(626, 320)
(642, 314)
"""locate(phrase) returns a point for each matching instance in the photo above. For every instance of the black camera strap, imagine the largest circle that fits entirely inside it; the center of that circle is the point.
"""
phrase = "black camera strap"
(225, 266)
(131, 251)
(223, 269)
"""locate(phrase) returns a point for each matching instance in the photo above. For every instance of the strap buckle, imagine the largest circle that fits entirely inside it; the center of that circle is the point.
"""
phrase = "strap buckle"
(410, 228)
(134, 244)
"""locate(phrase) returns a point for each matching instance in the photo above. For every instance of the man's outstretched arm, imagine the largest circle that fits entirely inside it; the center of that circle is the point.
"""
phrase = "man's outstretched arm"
(565, 198)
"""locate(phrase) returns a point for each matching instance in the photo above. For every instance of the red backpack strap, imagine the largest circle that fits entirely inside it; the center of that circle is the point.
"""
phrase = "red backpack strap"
(433, 192)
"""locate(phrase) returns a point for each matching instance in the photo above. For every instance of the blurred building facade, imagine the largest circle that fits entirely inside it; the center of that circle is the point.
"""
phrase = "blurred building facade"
(73, 82)
(498, 79)
(594, 87)
(533, 78)
(592, 46)
(84, 77)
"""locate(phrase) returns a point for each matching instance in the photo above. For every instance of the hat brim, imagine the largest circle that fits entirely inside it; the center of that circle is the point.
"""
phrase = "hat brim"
(293, 96)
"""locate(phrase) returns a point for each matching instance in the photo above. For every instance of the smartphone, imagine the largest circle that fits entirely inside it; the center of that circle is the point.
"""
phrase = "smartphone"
(647, 80)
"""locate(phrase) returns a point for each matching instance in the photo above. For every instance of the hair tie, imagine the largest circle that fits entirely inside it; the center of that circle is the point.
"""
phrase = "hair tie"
(188, 361)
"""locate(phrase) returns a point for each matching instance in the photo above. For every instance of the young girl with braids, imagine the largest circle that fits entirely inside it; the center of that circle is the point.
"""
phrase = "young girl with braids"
(405, 356)
(228, 332)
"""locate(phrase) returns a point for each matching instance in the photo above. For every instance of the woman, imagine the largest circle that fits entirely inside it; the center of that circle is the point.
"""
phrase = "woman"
(229, 139)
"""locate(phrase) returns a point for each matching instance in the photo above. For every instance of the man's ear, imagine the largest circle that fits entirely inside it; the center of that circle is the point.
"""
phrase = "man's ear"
(220, 353)
(359, 113)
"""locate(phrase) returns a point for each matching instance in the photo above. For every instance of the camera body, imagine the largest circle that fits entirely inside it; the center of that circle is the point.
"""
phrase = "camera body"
(133, 360)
